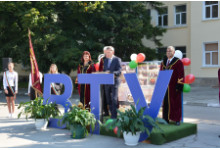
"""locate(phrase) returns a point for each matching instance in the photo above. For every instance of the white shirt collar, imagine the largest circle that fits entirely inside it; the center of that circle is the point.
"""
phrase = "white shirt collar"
(112, 57)
(170, 59)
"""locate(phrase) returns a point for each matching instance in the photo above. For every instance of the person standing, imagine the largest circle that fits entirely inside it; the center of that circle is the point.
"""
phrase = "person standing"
(112, 64)
(10, 84)
(86, 66)
(31, 92)
(55, 87)
(105, 108)
(172, 105)
(219, 83)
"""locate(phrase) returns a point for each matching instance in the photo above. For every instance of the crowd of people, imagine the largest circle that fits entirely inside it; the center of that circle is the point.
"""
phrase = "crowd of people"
(109, 63)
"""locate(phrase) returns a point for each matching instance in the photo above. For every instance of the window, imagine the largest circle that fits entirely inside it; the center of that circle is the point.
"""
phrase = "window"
(182, 49)
(163, 17)
(211, 9)
(211, 54)
(180, 15)
(161, 52)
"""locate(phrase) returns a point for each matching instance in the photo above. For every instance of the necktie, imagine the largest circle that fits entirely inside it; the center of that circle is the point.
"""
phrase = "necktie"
(109, 63)
(168, 62)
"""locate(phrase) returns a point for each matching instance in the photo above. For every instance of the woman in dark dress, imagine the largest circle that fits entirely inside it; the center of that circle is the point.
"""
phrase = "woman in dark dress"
(86, 66)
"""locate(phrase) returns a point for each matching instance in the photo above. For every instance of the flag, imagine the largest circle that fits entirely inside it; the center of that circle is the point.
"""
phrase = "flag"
(35, 75)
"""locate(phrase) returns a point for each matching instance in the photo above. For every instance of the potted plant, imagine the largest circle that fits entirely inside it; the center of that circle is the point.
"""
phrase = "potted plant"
(79, 120)
(41, 113)
(132, 123)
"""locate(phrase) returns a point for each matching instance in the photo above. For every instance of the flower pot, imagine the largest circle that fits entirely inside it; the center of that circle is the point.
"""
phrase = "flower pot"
(77, 131)
(130, 139)
(41, 124)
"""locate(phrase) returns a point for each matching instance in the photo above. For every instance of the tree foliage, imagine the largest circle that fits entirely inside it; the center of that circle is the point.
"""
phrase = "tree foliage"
(61, 31)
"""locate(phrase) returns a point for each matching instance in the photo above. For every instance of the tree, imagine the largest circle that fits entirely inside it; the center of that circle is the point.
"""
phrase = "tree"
(123, 25)
(61, 31)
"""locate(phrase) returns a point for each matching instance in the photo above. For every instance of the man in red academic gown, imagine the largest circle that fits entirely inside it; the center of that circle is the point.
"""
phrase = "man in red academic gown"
(219, 83)
(172, 105)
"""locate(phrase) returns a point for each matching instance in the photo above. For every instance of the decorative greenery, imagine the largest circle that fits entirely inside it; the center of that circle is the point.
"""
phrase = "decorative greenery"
(37, 110)
(61, 30)
(81, 116)
(133, 121)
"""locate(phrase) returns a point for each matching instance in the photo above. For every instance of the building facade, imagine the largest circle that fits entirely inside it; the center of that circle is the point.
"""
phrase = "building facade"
(193, 28)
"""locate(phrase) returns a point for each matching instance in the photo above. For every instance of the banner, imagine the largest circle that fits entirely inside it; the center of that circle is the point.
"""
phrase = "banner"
(35, 75)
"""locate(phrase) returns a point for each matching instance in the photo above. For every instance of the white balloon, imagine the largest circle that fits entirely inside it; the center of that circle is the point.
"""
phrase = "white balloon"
(133, 56)
(100, 57)
(178, 54)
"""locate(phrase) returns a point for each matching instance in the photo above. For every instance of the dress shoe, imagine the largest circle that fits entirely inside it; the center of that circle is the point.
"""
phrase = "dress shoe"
(177, 123)
(167, 121)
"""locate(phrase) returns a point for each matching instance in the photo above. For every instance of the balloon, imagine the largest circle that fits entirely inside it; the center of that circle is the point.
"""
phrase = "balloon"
(132, 64)
(115, 130)
(96, 66)
(133, 57)
(186, 61)
(100, 57)
(190, 78)
(108, 121)
(186, 88)
(178, 54)
(140, 57)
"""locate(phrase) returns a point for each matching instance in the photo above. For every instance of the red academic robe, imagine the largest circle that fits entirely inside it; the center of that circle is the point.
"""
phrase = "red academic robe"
(90, 69)
(174, 89)
(219, 83)
(101, 64)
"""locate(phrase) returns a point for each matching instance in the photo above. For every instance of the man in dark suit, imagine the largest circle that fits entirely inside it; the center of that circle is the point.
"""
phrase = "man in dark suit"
(112, 64)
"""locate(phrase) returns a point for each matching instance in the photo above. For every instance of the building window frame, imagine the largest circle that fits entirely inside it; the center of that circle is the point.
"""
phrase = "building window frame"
(180, 48)
(210, 52)
(210, 6)
(180, 14)
(163, 15)
(162, 50)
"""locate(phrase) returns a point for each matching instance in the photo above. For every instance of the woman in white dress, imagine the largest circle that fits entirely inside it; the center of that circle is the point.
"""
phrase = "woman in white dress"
(10, 84)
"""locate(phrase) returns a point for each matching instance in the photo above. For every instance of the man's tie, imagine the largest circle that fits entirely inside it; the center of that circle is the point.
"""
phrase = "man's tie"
(109, 63)
(168, 62)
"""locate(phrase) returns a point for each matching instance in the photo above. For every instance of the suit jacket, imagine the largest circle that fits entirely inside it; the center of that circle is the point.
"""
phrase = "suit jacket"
(114, 68)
